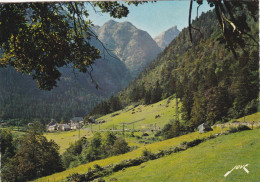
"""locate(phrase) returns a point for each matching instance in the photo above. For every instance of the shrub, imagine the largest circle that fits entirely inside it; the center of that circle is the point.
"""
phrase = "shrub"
(148, 154)
(120, 146)
(184, 143)
(133, 148)
(97, 168)
(75, 177)
(160, 154)
(232, 129)
(158, 133)
(145, 134)
(135, 162)
(212, 136)
(235, 121)
(138, 137)
(239, 128)
(243, 127)
(113, 179)
(99, 180)
(173, 129)
(132, 134)
(194, 142)
(70, 156)
(119, 166)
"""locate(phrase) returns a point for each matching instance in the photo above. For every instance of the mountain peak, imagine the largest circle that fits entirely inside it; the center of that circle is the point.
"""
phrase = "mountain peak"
(110, 23)
(165, 38)
(127, 23)
(135, 47)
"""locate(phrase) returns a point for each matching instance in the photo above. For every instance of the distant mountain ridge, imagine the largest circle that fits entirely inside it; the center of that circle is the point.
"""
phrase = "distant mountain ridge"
(165, 38)
(133, 46)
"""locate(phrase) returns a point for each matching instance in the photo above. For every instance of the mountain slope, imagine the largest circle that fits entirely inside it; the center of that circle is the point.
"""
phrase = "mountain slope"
(166, 37)
(211, 83)
(134, 47)
(211, 160)
(20, 98)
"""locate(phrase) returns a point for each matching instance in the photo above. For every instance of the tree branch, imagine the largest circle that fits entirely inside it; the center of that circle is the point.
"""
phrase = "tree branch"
(191, 1)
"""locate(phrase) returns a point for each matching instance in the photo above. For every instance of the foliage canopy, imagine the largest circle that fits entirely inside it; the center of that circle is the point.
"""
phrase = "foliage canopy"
(40, 38)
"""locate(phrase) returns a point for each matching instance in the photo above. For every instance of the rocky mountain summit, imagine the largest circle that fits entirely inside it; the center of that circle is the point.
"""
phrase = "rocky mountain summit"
(165, 38)
(133, 46)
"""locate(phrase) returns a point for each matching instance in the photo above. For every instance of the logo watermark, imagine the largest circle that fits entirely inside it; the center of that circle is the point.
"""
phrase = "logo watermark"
(238, 167)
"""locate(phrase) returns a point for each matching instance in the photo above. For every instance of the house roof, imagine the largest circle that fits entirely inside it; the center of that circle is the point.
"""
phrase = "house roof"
(76, 119)
(52, 123)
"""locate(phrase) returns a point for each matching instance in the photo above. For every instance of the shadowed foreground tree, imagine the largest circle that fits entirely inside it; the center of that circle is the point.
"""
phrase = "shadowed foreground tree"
(232, 18)
(39, 38)
(35, 157)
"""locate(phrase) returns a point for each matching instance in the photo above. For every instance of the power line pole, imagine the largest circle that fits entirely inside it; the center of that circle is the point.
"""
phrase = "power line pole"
(124, 129)
(177, 108)
(79, 130)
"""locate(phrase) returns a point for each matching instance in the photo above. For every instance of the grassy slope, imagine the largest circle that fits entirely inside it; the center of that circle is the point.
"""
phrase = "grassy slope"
(249, 118)
(164, 108)
(125, 115)
(64, 139)
(145, 113)
(207, 162)
(155, 147)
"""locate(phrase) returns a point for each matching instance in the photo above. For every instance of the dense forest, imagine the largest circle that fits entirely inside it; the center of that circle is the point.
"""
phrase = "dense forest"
(212, 84)
(21, 98)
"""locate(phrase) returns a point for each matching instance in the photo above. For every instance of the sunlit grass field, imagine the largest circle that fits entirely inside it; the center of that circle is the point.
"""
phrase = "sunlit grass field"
(250, 118)
(145, 115)
(165, 108)
(64, 139)
(155, 147)
(208, 161)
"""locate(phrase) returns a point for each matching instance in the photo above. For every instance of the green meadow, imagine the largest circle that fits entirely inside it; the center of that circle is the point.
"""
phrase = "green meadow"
(250, 118)
(155, 147)
(64, 139)
(144, 115)
(208, 161)
(141, 117)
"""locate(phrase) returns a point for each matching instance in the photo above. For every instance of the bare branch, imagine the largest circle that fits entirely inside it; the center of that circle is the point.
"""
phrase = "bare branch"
(198, 10)
(191, 1)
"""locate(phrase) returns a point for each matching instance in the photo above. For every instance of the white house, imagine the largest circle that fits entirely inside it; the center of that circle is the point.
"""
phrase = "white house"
(63, 127)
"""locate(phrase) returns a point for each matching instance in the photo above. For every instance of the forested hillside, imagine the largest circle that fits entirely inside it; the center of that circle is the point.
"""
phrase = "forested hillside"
(127, 52)
(21, 99)
(211, 84)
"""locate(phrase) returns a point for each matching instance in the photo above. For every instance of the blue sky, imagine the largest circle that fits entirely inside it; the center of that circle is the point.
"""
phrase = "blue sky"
(155, 17)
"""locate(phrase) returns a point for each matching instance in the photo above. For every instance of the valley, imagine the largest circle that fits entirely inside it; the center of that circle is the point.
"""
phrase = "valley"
(136, 97)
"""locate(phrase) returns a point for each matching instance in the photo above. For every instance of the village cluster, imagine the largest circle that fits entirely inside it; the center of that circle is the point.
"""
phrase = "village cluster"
(74, 123)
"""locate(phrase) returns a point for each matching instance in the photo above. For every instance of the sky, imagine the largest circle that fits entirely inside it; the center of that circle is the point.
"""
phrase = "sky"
(155, 17)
